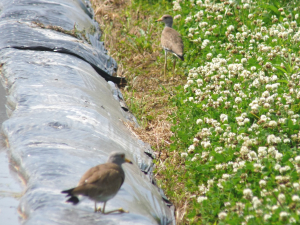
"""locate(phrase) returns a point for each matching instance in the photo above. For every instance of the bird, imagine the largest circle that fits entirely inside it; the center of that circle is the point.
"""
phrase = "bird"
(171, 41)
(101, 183)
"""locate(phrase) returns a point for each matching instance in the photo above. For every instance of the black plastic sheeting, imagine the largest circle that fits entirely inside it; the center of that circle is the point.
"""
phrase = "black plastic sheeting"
(64, 118)
(19, 33)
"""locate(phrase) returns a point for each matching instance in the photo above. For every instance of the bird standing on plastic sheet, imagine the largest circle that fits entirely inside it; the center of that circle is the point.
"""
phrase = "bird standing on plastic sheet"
(101, 183)
(171, 41)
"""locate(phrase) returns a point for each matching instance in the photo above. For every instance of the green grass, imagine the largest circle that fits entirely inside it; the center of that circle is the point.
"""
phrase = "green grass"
(234, 157)
(243, 169)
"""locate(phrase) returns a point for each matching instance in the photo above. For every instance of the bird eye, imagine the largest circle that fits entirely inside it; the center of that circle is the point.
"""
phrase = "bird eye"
(122, 156)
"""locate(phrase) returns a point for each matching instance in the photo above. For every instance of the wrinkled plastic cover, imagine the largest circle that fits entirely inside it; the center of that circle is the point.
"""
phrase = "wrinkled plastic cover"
(64, 119)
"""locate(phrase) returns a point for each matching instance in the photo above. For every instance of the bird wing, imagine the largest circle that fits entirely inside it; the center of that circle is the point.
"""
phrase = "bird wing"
(101, 178)
(172, 41)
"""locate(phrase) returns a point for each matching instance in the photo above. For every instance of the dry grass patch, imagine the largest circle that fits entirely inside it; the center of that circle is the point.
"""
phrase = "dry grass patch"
(132, 38)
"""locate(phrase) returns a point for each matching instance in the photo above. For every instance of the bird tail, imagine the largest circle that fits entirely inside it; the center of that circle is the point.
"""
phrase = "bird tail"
(74, 199)
(179, 56)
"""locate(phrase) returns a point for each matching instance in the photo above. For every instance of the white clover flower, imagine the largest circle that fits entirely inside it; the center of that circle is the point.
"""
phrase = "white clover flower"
(219, 166)
(201, 199)
(271, 149)
(253, 154)
(271, 139)
(270, 99)
(177, 17)
(209, 56)
(247, 193)
(250, 16)
(184, 154)
(202, 189)
(267, 217)
(256, 202)
(274, 207)
(230, 28)
(284, 169)
(222, 215)
(223, 118)
(210, 182)
(262, 183)
(278, 156)
(277, 167)
(176, 6)
(194, 158)
(244, 60)
(237, 87)
(283, 215)
(266, 94)
(296, 198)
(205, 144)
(199, 2)
(273, 123)
(219, 150)
(191, 149)
(225, 176)
(203, 24)
(199, 121)
(219, 17)
(195, 140)
(281, 198)
(297, 158)
(296, 186)
(227, 204)
(263, 118)
(188, 19)
(264, 193)
(292, 220)
(189, 82)
(294, 137)
(238, 100)
(257, 166)
(246, 6)
(199, 82)
(247, 218)
(207, 33)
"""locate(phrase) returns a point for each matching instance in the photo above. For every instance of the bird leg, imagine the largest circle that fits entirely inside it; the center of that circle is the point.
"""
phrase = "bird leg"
(96, 207)
(165, 65)
(174, 64)
(120, 210)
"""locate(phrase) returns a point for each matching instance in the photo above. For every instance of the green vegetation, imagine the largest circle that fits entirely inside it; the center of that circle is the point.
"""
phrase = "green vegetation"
(234, 155)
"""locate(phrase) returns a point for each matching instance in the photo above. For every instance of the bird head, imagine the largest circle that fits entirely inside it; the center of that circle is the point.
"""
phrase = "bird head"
(167, 20)
(118, 158)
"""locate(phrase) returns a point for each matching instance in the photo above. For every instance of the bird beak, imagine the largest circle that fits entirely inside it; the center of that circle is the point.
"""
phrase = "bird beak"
(159, 20)
(128, 161)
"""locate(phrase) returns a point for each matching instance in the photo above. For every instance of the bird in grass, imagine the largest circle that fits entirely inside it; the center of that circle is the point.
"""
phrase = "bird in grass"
(101, 183)
(171, 41)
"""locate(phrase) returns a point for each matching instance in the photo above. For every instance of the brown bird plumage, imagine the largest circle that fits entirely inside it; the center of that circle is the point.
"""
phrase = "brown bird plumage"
(171, 40)
(101, 183)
